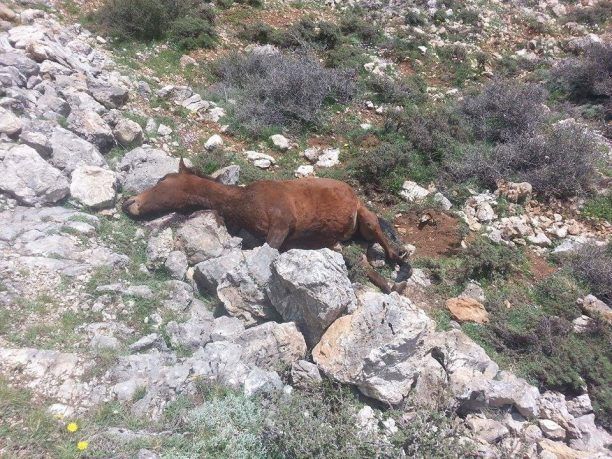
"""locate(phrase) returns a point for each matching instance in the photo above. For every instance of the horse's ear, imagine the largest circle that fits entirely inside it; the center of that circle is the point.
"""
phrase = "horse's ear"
(183, 169)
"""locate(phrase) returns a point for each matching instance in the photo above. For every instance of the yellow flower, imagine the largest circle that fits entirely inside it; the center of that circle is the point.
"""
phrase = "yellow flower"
(82, 445)
(72, 427)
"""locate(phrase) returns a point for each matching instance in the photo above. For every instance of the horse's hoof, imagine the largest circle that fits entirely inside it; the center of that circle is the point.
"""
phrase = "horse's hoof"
(404, 273)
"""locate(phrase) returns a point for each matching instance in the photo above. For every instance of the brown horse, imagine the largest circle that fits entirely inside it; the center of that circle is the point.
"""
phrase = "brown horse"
(309, 213)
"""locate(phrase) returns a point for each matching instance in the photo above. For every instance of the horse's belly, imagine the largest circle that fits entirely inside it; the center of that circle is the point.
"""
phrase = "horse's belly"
(324, 231)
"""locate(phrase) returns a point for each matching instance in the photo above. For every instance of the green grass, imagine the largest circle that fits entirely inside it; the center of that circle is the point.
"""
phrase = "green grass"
(26, 430)
(599, 207)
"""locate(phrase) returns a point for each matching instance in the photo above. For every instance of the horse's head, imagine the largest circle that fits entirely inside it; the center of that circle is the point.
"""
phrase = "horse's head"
(171, 193)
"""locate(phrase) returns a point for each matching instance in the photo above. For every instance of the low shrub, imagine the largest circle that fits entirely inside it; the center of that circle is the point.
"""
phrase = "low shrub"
(485, 259)
(504, 110)
(433, 131)
(593, 265)
(400, 91)
(187, 23)
(353, 23)
(597, 14)
(588, 78)
(321, 423)
(384, 167)
(280, 91)
(560, 162)
(189, 33)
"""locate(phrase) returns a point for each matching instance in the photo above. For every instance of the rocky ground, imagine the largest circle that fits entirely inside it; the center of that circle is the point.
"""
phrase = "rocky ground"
(124, 327)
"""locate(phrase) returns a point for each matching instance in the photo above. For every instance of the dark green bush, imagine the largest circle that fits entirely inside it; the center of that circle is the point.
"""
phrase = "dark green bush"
(189, 33)
(434, 131)
(354, 23)
(137, 19)
(384, 166)
(588, 78)
(321, 423)
(187, 23)
(485, 259)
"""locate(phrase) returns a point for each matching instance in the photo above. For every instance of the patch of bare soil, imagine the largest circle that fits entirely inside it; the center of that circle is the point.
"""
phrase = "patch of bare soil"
(435, 234)
(540, 268)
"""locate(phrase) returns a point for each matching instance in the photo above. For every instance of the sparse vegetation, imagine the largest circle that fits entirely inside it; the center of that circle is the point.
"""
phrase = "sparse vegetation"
(586, 78)
(281, 91)
(593, 265)
(560, 161)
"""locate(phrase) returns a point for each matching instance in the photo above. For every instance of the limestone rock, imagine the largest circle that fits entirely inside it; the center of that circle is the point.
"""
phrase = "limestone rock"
(467, 310)
(159, 247)
(29, 178)
(143, 166)
(373, 347)
(203, 236)
(305, 374)
(109, 95)
(228, 175)
(93, 186)
(243, 289)
(586, 435)
(209, 273)
(329, 158)
(311, 288)
(226, 328)
(91, 127)
(413, 192)
(488, 430)
(280, 142)
(271, 344)
(10, 124)
(176, 264)
(214, 142)
(551, 429)
(260, 381)
(128, 133)
(304, 171)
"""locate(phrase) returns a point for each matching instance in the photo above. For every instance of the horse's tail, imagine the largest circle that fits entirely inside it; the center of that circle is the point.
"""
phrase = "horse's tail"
(389, 231)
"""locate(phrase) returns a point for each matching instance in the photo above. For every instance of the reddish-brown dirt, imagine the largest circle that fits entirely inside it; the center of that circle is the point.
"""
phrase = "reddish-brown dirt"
(540, 269)
(438, 237)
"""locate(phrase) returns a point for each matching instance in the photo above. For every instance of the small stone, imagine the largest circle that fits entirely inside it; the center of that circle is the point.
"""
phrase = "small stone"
(551, 429)
(260, 381)
(305, 374)
(442, 201)
(176, 264)
(228, 175)
(412, 192)
(214, 142)
(304, 171)
(128, 133)
(10, 124)
(467, 310)
(187, 60)
(280, 142)
(329, 158)
(164, 130)
(260, 160)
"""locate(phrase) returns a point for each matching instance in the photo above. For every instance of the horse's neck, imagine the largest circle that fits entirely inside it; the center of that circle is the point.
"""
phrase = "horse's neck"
(209, 194)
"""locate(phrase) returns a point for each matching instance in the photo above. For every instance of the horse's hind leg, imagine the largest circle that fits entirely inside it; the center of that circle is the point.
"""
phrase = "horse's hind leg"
(370, 230)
